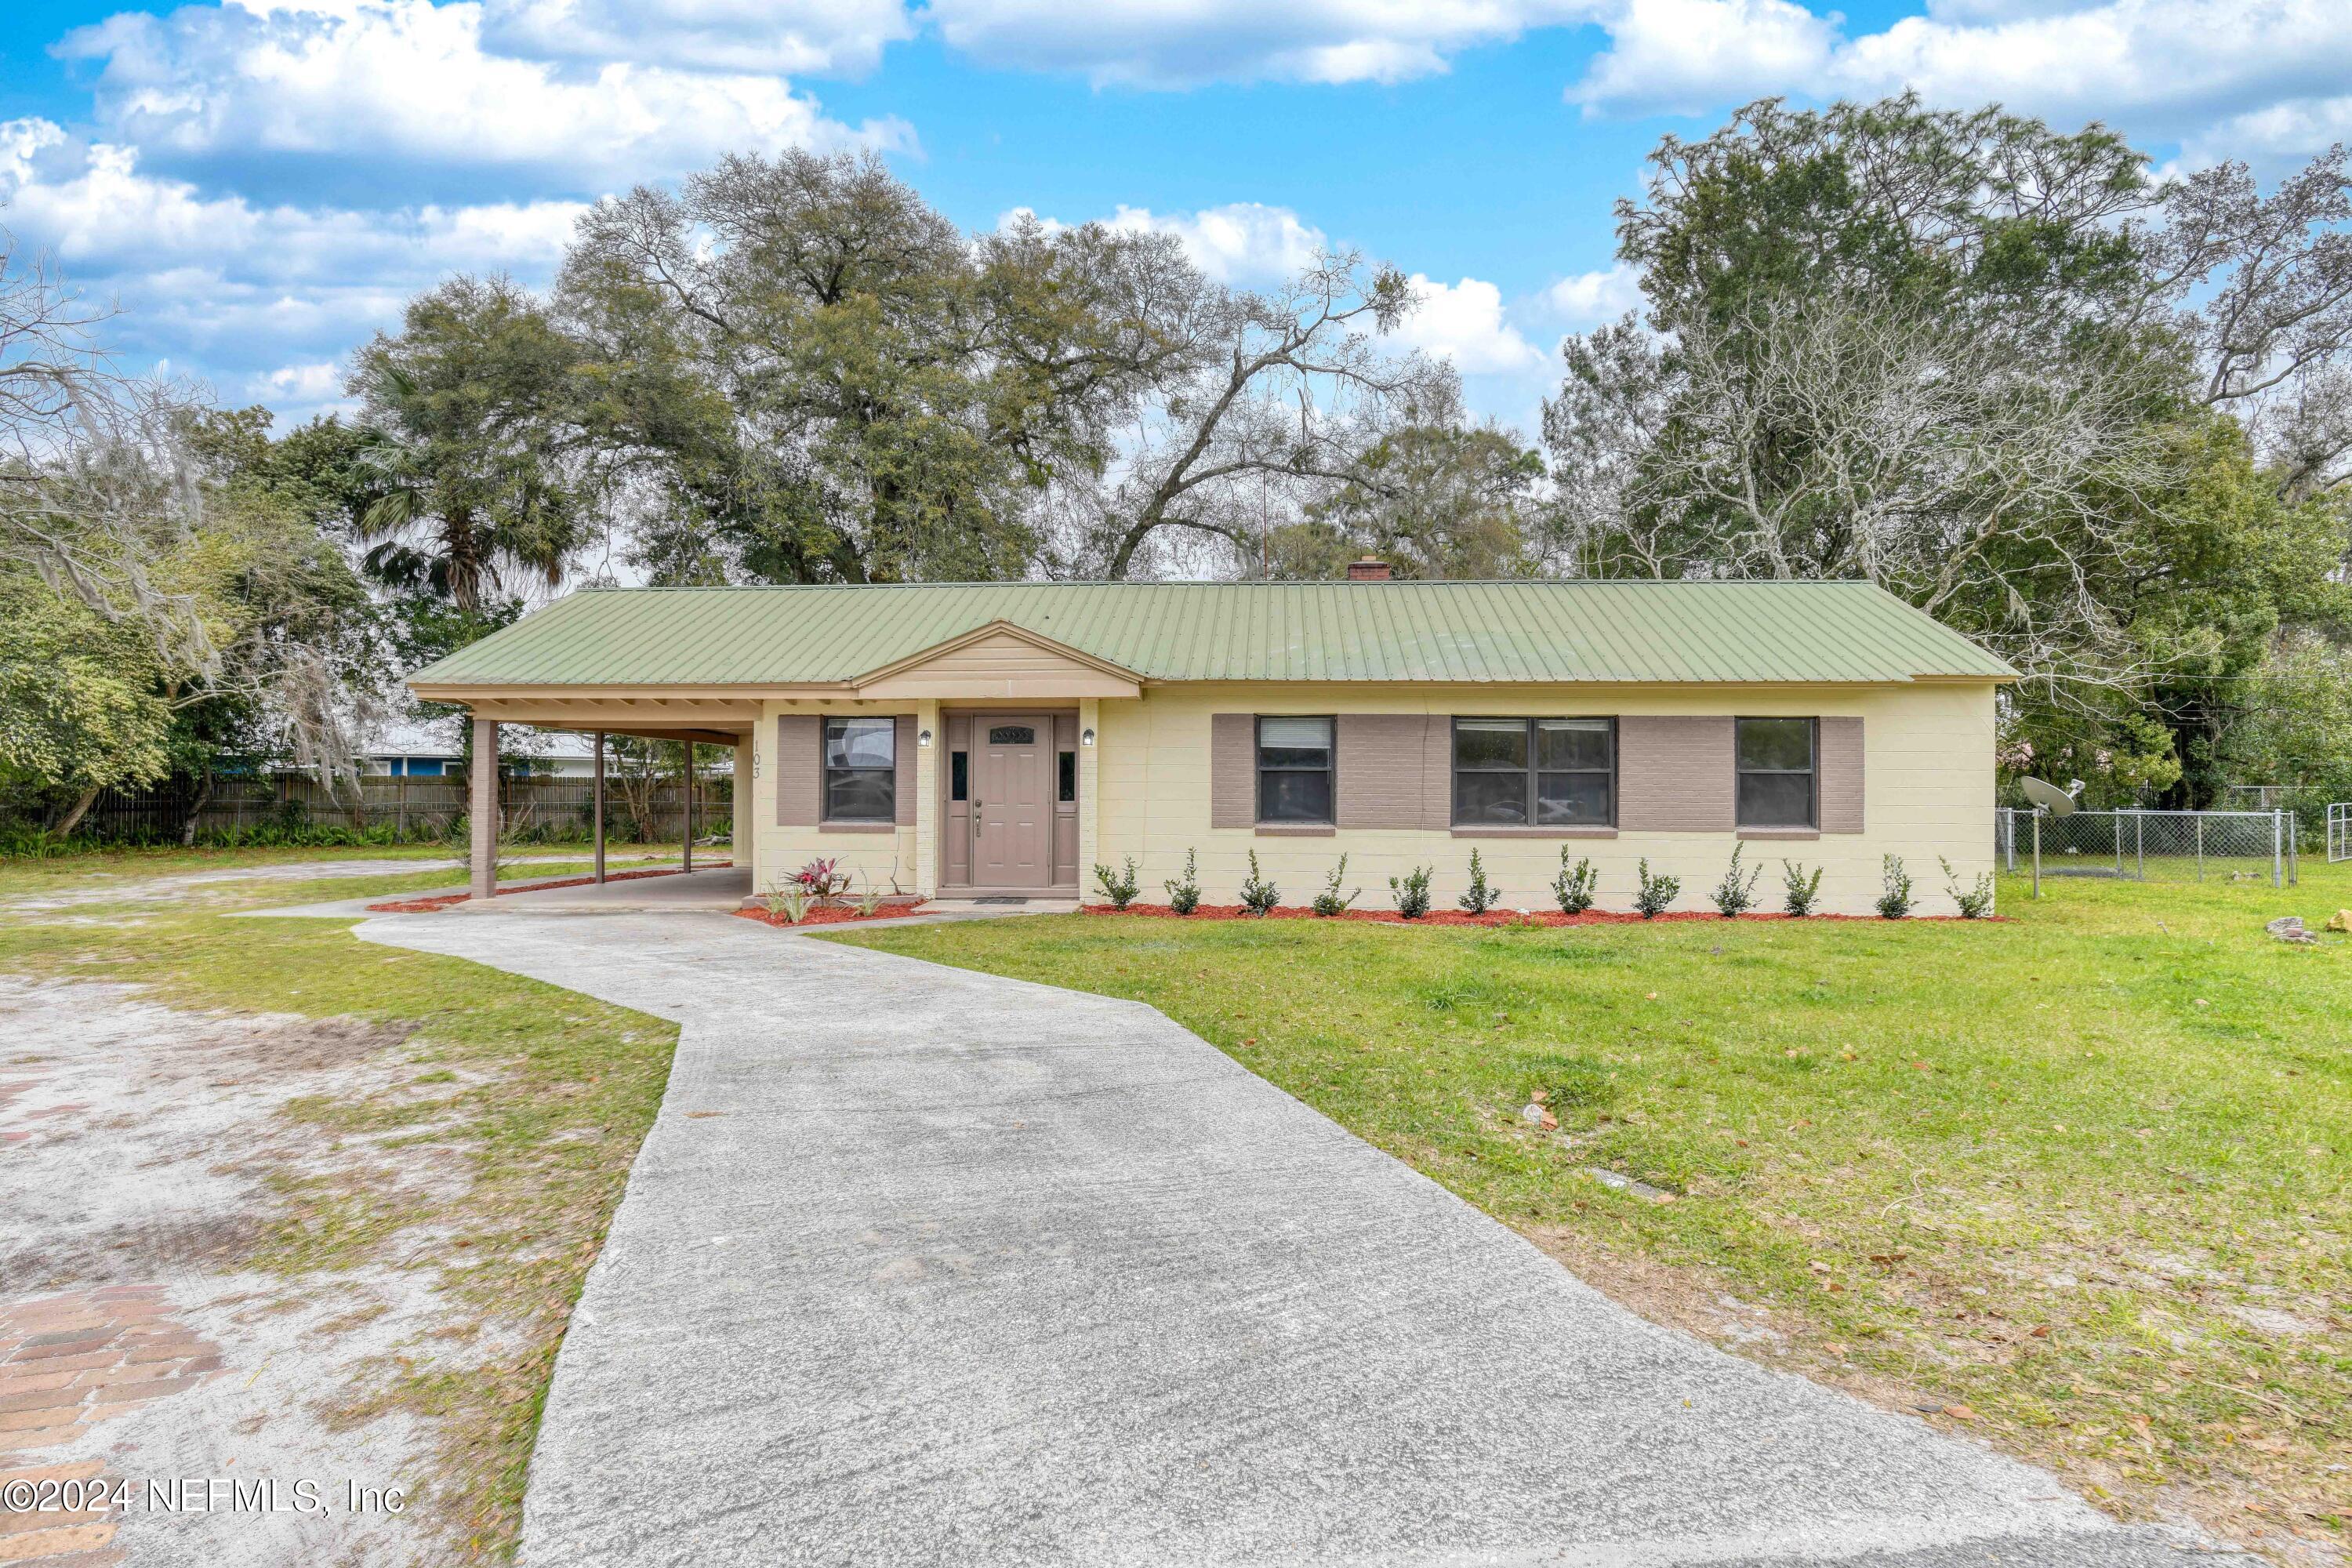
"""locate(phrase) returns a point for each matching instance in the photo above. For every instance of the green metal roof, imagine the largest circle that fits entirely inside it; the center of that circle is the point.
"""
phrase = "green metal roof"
(1474, 632)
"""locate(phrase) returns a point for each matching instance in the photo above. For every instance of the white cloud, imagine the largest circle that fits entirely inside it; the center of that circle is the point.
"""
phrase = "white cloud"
(265, 296)
(412, 82)
(843, 36)
(1589, 299)
(1241, 242)
(1464, 323)
(2225, 78)
(1689, 56)
(1170, 42)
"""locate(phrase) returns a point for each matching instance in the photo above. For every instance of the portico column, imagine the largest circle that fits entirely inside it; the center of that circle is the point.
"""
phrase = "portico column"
(482, 809)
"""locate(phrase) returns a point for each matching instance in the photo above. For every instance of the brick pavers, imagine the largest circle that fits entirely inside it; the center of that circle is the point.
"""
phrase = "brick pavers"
(67, 1363)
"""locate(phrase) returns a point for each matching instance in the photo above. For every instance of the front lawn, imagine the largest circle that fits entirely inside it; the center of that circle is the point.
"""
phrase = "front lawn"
(462, 1149)
(2079, 1182)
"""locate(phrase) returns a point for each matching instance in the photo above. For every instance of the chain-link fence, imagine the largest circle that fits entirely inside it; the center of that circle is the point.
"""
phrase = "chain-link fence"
(2339, 832)
(2151, 846)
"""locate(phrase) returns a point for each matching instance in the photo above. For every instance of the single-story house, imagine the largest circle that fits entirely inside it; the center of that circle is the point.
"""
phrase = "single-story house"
(984, 738)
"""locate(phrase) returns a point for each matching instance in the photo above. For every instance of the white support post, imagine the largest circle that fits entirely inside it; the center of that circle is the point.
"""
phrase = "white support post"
(483, 807)
(597, 805)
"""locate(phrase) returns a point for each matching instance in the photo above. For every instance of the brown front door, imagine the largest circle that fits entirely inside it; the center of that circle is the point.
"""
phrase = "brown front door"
(1011, 799)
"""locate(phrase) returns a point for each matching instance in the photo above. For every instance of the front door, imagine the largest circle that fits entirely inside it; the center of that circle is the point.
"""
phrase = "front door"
(1012, 803)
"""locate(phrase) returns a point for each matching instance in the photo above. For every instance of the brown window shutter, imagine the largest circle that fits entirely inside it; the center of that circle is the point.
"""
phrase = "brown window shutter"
(800, 769)
(1232, 770)
(1839, 778)
(1380, 772)
(902, 771)
(1675, 774)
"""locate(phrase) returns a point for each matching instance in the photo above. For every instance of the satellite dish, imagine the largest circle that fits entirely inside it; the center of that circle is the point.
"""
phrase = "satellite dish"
(2048, 796)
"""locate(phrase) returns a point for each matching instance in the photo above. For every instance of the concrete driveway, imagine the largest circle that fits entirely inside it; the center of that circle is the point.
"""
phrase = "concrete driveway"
(926, 1267)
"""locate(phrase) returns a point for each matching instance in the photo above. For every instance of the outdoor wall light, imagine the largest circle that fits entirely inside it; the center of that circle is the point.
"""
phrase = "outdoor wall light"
(923, 739)
(1087, 739)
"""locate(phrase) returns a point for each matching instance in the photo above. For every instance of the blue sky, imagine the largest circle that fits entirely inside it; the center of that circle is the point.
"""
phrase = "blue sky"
(259, 185)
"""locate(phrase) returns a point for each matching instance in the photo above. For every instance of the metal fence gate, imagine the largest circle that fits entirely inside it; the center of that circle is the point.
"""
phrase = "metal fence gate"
(2339, 832)
(2136, 846)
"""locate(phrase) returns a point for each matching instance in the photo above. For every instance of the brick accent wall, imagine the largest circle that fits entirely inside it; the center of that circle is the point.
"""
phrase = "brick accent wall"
(1232, 770)
(1840, 779)
(1675, 775)
(800, 769)
(1384, 778)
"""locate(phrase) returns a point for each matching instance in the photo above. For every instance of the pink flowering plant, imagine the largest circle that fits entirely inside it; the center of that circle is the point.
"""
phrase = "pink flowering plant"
(823, 880)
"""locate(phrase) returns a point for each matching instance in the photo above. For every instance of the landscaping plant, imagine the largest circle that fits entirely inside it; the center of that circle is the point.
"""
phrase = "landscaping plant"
(1804, 888)
(1258, 895)
(1329, 902)
(822, 880)
(869, 902)
(1735, 895)
(1412, 893)
(1184, 893)
(789, 902)
(1481, 897)
(1895, 902)
(1575, 885)
(1976, 902)
(1654, 893)
(1120, 887)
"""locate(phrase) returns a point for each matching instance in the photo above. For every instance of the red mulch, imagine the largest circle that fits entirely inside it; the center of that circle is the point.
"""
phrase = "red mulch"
(427, 906)
(1463, 918)
(833, 914)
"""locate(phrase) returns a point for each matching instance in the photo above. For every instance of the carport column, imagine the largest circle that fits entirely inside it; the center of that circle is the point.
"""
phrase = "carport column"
(482, 807)
(597, 805)
(1089, 814)
(686, 862)
(928, 794)
(740, 792)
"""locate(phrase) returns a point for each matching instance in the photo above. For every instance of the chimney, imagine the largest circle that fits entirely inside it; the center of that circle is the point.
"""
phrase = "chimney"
(1368, 569)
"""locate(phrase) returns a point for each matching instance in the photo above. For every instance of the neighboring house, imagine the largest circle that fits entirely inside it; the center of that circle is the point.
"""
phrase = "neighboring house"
(1005, 738)
(424, 751)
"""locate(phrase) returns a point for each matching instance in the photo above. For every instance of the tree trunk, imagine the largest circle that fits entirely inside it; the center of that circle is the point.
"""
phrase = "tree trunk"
(73, 818)
(195, 810)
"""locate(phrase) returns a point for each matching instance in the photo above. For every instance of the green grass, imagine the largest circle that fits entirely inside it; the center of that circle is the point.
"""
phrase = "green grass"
(2058, 1172)
(539, 1096)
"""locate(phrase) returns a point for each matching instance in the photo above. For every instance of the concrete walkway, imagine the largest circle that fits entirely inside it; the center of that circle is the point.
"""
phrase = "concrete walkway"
(923, 1267)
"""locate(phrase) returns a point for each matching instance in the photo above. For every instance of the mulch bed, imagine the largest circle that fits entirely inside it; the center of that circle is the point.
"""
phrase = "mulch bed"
(830, 915)
(1463, 918)
(427, 906)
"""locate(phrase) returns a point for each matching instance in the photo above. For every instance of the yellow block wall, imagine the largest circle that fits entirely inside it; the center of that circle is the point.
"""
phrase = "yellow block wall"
(872, 859)
(1927, 767)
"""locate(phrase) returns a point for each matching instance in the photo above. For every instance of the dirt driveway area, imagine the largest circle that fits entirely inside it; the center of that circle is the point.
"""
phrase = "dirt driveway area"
(290, 1229)
(138, 1349)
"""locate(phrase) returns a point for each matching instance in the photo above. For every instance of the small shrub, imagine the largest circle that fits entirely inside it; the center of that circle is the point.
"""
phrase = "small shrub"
(1654, 893)
(1258, 895)
(1481, 897)
(1120, 887)
(1411, 892)
(869, 902)
(1736, 894)
(1976, 902)
(790, 901)
(1575, 885)
(1895, 902)
(1184, 893)
(1328, 902)
(822, 880)
(1804, 888)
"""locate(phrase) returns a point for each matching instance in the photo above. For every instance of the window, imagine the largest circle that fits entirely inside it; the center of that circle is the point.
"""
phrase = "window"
(861, 769)
(959, 776)
(1294, 770)
(1776, 773)
(1012, 735)
(1538, 773)
(1066, 784)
